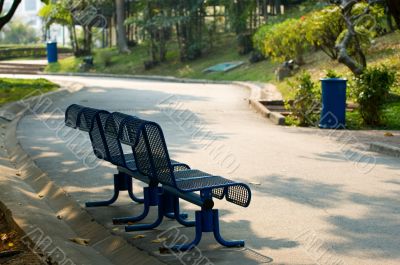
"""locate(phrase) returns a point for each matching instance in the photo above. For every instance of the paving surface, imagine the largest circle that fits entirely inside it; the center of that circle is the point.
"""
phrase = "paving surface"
(318, 196)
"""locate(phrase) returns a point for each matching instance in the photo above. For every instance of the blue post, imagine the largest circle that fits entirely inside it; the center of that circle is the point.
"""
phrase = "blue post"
(52, 53)
(333, 115)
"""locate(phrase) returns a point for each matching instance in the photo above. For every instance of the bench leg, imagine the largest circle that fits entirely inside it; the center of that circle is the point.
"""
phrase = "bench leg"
(196, 241)
(207, 220)
(104, 203)
(121, 183)
(172, 215)
(171, 207)
(140, 227)
(217, 234)
(133, 196)
(150, 199)
(180, 217)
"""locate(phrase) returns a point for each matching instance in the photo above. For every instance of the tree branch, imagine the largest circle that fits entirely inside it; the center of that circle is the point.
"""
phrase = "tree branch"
(351, 36)
(1, 6)
(5, 19)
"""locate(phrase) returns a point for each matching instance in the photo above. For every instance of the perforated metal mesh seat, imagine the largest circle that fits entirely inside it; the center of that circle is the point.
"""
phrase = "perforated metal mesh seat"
(238, 194)
(195, 180)
(190, 174)
(152, 158)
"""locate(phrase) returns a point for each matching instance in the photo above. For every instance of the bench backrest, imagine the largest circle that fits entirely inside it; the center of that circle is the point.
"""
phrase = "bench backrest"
(111, 129)
(149, 148)
(97, 137)
(90, 120)
(71, 115)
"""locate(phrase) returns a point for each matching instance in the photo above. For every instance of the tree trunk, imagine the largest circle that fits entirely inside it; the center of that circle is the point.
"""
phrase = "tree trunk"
(121, 30)
(87, 40)
(394, 9)
(343, 56)
(72, 39)
(5, 19)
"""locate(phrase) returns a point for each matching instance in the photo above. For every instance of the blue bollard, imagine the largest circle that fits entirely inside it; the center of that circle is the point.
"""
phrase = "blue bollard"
(333, 115)
(52, 53)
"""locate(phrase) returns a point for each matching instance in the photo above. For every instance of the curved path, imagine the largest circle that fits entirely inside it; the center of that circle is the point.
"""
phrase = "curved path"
(318, 198)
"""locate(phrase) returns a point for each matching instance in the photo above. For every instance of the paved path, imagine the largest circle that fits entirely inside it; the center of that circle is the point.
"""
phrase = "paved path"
(318, 198)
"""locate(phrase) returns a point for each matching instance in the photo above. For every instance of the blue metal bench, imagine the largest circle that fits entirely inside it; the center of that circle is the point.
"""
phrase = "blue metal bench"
(152, 159)
(149, 162)
(103, 128)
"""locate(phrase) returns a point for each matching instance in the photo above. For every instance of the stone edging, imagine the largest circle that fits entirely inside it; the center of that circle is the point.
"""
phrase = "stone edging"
(386, 149)
(113, 248)
(254, 101)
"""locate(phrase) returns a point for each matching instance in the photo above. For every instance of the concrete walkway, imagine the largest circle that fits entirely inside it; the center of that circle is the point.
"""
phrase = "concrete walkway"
(318, 197)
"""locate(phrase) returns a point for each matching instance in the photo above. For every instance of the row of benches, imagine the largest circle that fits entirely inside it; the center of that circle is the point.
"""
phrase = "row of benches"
(148, 161)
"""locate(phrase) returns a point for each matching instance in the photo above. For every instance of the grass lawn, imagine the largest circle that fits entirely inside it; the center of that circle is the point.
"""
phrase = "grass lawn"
(224, 51)
(15, 89)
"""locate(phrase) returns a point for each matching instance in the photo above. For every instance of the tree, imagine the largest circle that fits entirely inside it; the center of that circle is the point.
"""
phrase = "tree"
(356, 61)
(394, 10)
(323, 28)
(58, 13)
(18, 33)
(7, 17)
(121, 33)
(84, 13)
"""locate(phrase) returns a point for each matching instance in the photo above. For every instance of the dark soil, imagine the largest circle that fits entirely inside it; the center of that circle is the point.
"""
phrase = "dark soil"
(12, 249)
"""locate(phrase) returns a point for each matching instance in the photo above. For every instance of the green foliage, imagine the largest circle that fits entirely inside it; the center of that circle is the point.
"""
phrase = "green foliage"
(18, 33)
(29, 51)
(283, 41)
(371, 90)
(56, 13)
(332, 74)
(323, 28)
(15, 89)
(306, 101)
(366, 27)
(260, 36)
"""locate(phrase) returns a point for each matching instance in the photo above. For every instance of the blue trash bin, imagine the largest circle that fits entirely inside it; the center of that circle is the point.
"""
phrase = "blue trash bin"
(52, 53)
(333, 115)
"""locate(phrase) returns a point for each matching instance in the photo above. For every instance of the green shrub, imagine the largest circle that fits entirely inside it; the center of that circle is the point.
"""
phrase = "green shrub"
(105, 58)
(259, 38)
(371, 91)
(306, 103)
(28, 51)
(283, 41)
(332, 74)
(194, 51)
